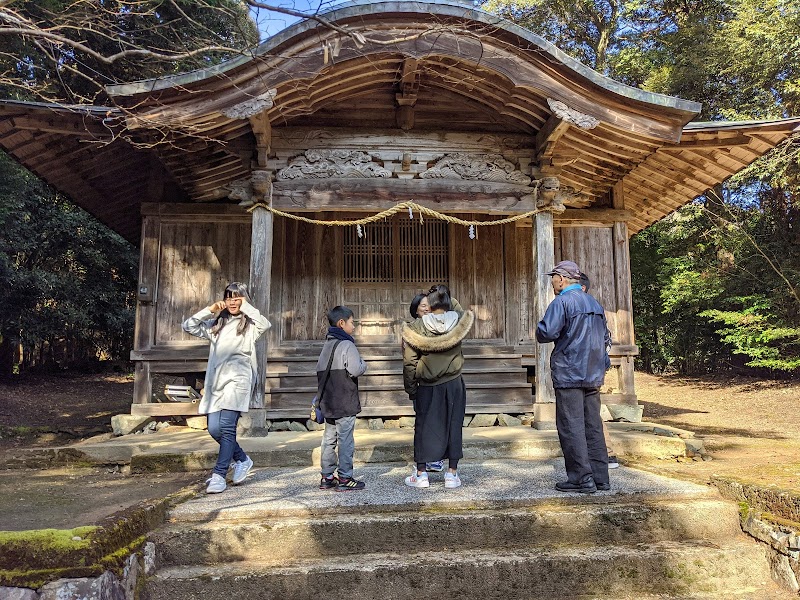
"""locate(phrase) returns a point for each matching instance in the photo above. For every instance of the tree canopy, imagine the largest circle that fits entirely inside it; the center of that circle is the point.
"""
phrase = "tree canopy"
(716, 284)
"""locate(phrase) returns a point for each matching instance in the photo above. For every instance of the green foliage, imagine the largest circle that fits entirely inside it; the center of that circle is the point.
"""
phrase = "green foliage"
(66, 280)
(752, 331)
(585, 29)
(716, 284)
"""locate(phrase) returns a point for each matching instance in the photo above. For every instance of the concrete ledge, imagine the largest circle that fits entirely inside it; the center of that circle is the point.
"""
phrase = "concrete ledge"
(185, 449)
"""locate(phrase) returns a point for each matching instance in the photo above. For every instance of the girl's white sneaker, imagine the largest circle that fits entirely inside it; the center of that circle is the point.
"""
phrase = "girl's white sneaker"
(418, 481)
(216, 484)
(451, 480)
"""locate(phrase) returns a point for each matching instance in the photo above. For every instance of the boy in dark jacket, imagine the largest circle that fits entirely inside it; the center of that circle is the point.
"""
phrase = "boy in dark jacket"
(339, 400)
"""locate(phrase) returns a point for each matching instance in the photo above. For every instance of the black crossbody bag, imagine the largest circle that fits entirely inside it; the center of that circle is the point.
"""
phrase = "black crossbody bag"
(316, 411)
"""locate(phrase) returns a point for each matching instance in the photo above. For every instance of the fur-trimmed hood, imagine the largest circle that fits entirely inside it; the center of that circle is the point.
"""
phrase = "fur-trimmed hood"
(421, 338)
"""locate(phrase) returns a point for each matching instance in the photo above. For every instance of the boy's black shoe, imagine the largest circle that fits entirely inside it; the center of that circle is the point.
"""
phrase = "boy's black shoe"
(345, 485)
(603, 487)
(328, 483)
(587, 487)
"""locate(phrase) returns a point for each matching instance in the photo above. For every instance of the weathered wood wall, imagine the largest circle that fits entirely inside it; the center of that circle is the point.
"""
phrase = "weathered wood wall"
(197, 261)
(477, 277)
(188, 256)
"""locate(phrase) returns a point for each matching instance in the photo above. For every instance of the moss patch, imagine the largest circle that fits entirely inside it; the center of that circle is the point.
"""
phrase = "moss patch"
(31, 558)
(783, 504)
(44, 547)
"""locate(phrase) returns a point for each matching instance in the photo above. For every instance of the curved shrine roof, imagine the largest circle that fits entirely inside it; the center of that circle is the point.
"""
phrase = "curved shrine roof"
(432, 79)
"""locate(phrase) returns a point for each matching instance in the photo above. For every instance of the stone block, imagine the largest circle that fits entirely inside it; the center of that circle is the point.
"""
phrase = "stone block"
(130, 577)
(297, 426)
(631, 413)
(375, 423)
(105, 587)
(125, 424)
(253, 423)
(17, 593)
(782, 572)
(314, 426)
(544, 416)
(150, 564)
(362, 424)
(694, 447)
(407, 421)
(391, 424)
(199, 422)
(279, 426)
(483, 420)
(605, 414)
(467, 420)
(505, 420)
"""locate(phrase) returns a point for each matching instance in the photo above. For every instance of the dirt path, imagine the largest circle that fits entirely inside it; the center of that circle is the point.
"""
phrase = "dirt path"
(751, 427)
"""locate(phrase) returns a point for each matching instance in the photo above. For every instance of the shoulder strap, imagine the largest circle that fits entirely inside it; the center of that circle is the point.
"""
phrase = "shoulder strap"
(327, 371)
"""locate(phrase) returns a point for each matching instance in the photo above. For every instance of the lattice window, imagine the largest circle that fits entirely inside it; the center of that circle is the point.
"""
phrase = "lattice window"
(423, 252)
(369, 259)
(398, 251)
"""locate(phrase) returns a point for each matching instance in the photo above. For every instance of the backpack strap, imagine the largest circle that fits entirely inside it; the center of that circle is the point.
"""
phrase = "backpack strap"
(321, 390)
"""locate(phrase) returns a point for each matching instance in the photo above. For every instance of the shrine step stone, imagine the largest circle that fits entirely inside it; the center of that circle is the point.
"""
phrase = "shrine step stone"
(504, 534)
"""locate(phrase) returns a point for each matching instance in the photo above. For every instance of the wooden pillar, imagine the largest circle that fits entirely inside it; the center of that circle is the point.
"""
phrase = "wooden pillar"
(543, 256)
(147, 296)
(260, 280)
(622, 283)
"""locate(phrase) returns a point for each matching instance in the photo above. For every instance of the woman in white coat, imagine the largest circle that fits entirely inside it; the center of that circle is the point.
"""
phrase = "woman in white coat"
(232, 325)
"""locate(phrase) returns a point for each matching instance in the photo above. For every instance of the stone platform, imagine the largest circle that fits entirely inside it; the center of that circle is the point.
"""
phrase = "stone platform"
(176, 449)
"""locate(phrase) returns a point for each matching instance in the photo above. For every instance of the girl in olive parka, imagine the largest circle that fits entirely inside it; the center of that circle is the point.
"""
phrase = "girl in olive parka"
(432, 363)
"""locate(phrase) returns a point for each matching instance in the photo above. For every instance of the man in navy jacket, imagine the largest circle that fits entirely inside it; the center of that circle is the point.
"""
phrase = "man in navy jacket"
(576, 322)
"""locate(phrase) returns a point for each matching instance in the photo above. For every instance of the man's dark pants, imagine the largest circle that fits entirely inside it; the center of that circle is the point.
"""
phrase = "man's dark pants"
(580, 431)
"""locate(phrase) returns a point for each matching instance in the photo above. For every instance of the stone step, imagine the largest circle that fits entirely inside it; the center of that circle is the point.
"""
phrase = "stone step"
(392, 394)
(674, 569)
(197, 451)
(313, 348)
(394, 360)
(283, 541)
(395, 376)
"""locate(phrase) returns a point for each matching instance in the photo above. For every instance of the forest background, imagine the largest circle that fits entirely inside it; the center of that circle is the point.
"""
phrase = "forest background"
(716, 285)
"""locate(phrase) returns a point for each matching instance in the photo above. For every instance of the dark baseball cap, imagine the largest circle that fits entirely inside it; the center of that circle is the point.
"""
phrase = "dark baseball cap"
(566, 268)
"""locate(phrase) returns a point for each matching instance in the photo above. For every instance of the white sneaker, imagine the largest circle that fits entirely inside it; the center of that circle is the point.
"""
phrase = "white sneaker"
(240, 470)
(451, 480)
(418, 481)
(216, 484)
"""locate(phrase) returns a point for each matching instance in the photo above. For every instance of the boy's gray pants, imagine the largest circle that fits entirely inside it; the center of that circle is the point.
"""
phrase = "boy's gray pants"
(338, 432)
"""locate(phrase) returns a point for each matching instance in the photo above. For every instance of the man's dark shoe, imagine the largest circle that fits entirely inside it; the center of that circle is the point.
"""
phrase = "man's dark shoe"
(587, 487)
(603, 487)
(328, 483)
(346, 485)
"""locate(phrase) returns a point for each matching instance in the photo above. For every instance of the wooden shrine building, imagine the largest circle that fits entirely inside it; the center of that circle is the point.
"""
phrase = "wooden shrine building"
(437, 103)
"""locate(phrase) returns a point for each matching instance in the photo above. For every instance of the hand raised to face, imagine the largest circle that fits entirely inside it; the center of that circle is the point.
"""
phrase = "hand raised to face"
(217, 306)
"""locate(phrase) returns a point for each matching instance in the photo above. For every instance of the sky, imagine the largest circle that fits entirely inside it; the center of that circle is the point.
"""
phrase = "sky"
(270, 23)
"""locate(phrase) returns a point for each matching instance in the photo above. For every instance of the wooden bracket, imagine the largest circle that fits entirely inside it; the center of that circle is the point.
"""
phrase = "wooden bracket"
(406, 98)
(262, 129)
